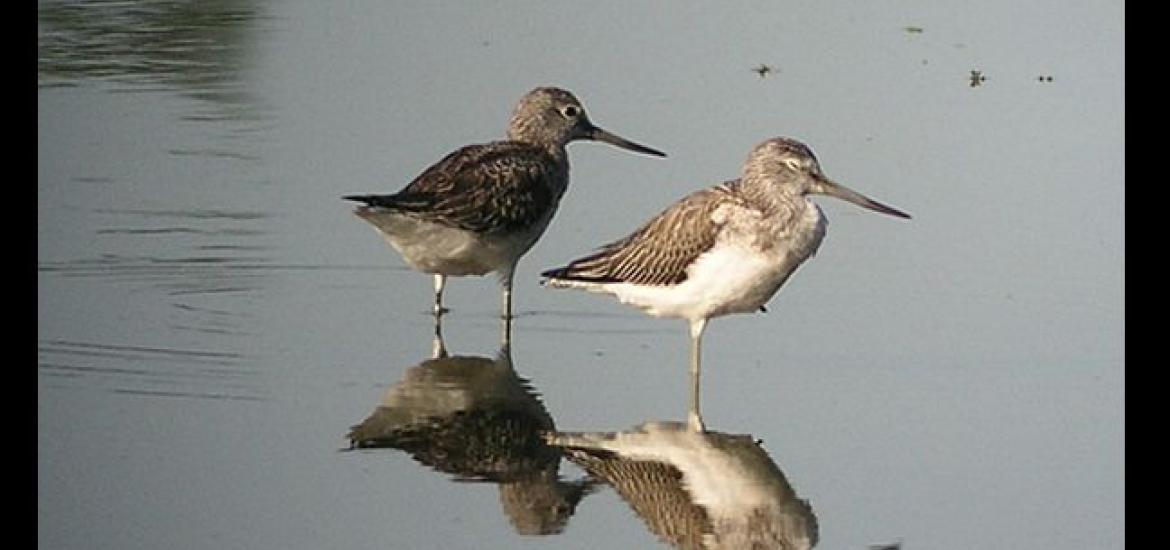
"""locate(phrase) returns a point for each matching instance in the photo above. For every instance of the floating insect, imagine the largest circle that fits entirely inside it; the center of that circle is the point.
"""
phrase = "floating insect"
(977, 78)
(912, 29)
(763, 70)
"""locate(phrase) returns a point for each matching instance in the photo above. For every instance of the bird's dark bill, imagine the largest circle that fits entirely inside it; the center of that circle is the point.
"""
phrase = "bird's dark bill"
(602, 135)
(834, 189)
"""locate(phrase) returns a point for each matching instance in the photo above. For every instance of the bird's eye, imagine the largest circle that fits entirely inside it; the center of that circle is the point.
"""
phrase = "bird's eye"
(570, 111)
(795, 164)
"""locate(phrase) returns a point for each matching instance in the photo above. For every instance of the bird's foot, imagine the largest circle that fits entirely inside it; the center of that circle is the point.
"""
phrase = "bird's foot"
(695, 423)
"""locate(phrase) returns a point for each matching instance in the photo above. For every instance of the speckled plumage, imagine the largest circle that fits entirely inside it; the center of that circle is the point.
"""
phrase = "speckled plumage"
(483, 206)
(658, 253)
(503, 186)
(722, 250)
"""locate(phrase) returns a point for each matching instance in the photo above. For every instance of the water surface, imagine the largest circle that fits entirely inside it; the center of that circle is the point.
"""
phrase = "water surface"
(213, 320)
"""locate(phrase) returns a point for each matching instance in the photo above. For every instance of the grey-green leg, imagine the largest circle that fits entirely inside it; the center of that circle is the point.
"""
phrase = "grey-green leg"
(694, 417)
(440, 282)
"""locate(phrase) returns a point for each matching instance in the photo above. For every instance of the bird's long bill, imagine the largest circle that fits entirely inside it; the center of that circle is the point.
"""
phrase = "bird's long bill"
(602, 135)
(834, 189)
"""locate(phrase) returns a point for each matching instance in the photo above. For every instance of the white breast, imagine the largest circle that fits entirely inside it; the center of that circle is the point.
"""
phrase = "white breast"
(738, 275)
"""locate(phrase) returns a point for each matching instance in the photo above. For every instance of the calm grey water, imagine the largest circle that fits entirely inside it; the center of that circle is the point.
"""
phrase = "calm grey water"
(213, 320)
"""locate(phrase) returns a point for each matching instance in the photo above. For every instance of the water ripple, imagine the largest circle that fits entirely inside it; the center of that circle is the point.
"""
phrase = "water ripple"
(136, 353)
(200, 48)
(149, 370)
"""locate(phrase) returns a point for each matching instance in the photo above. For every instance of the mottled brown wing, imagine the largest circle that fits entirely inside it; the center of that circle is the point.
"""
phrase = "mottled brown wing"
(659, 252)
(499, 186)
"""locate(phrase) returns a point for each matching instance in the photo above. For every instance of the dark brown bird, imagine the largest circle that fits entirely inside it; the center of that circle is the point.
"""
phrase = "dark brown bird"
(480, 208)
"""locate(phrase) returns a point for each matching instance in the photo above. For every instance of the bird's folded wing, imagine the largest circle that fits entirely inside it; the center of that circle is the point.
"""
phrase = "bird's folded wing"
(500, 186)
(660, 252)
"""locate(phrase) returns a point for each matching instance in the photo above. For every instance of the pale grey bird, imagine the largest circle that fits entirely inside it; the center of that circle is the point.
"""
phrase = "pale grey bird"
(722, 250)
(480, 208)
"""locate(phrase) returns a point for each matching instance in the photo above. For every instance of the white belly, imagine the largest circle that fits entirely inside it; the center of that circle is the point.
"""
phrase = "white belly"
(435, 248)
(725, 280)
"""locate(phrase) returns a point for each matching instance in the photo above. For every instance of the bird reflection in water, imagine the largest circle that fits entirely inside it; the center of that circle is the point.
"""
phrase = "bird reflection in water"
(696, 489)
(476, 419)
